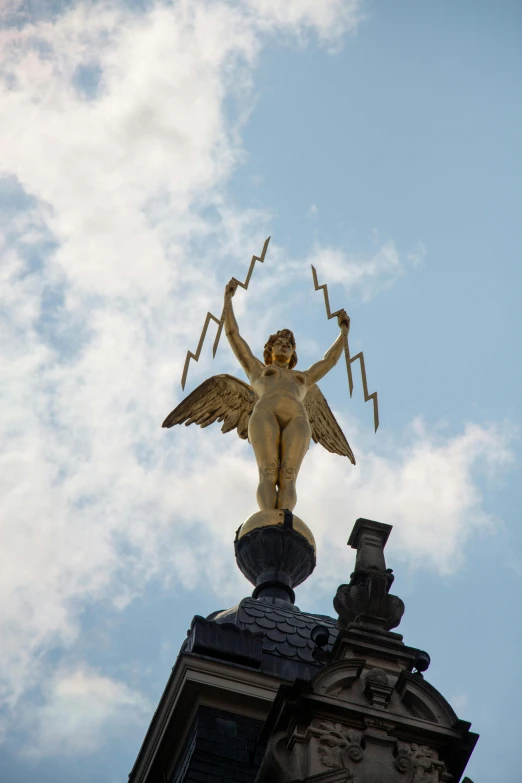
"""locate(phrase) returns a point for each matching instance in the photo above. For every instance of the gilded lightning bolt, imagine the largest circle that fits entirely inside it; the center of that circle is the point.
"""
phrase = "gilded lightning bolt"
(349, 359)
(220, 321)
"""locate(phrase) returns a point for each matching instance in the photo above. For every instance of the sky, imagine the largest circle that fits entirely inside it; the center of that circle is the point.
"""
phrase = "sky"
(148, 149)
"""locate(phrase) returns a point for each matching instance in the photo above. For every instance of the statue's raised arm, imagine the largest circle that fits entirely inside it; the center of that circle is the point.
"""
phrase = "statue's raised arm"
(332, 355)
(250, 363)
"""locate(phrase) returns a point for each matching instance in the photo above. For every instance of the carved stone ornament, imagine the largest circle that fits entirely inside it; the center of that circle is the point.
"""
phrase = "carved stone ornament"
(339, 746)
(419, 763)
(377, 676)
(378, 690)
(366, 599)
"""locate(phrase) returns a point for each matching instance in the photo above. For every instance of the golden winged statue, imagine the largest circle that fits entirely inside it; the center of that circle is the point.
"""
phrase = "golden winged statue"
(279, 412)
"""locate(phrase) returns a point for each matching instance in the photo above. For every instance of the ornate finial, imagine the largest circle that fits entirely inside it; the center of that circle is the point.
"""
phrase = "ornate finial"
(366, 599)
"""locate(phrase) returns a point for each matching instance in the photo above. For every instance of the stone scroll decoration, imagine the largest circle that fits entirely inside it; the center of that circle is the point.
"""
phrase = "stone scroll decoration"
(419, 763)
(339, 747)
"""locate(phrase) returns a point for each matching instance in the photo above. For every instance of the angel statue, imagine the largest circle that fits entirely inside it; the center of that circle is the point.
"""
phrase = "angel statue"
(278, 412)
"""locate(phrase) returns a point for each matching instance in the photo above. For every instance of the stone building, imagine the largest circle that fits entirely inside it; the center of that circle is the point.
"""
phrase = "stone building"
(267, 693)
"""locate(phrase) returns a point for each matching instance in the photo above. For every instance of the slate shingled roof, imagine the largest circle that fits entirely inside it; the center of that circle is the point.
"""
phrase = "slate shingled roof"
(285, 629)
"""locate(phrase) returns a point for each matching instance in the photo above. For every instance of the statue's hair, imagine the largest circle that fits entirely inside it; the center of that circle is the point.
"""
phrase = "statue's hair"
(267, 353)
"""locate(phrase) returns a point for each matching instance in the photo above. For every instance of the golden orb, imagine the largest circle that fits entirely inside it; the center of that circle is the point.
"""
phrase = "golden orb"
(275, 517)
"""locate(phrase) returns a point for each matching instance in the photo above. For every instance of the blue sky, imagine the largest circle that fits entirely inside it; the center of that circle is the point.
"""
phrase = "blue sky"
(149, 149)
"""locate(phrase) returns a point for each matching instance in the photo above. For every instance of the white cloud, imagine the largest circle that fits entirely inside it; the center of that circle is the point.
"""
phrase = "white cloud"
(119, 146)
(82, 711)
(330, 19)
(154, 138)
(365, 274)
(424, 483)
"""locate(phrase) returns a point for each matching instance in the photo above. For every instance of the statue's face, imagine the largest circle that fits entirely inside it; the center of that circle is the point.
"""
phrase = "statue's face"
(282, 350)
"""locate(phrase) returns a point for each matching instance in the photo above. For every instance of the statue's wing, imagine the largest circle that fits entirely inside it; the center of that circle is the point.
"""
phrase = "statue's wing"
(220, 398)
(324, 426)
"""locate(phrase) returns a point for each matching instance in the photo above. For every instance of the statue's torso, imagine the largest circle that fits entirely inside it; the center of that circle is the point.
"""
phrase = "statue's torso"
(281, 391)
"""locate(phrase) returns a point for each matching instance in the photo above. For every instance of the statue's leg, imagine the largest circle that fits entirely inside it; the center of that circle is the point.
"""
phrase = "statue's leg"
(264, 434)
(295, 441)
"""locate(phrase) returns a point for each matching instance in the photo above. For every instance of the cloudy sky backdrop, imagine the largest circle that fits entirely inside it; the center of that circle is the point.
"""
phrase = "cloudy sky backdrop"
(147, 150)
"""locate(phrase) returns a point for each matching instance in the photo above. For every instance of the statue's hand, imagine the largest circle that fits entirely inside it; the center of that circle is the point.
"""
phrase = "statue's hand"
(231, 288)
(343, 319)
